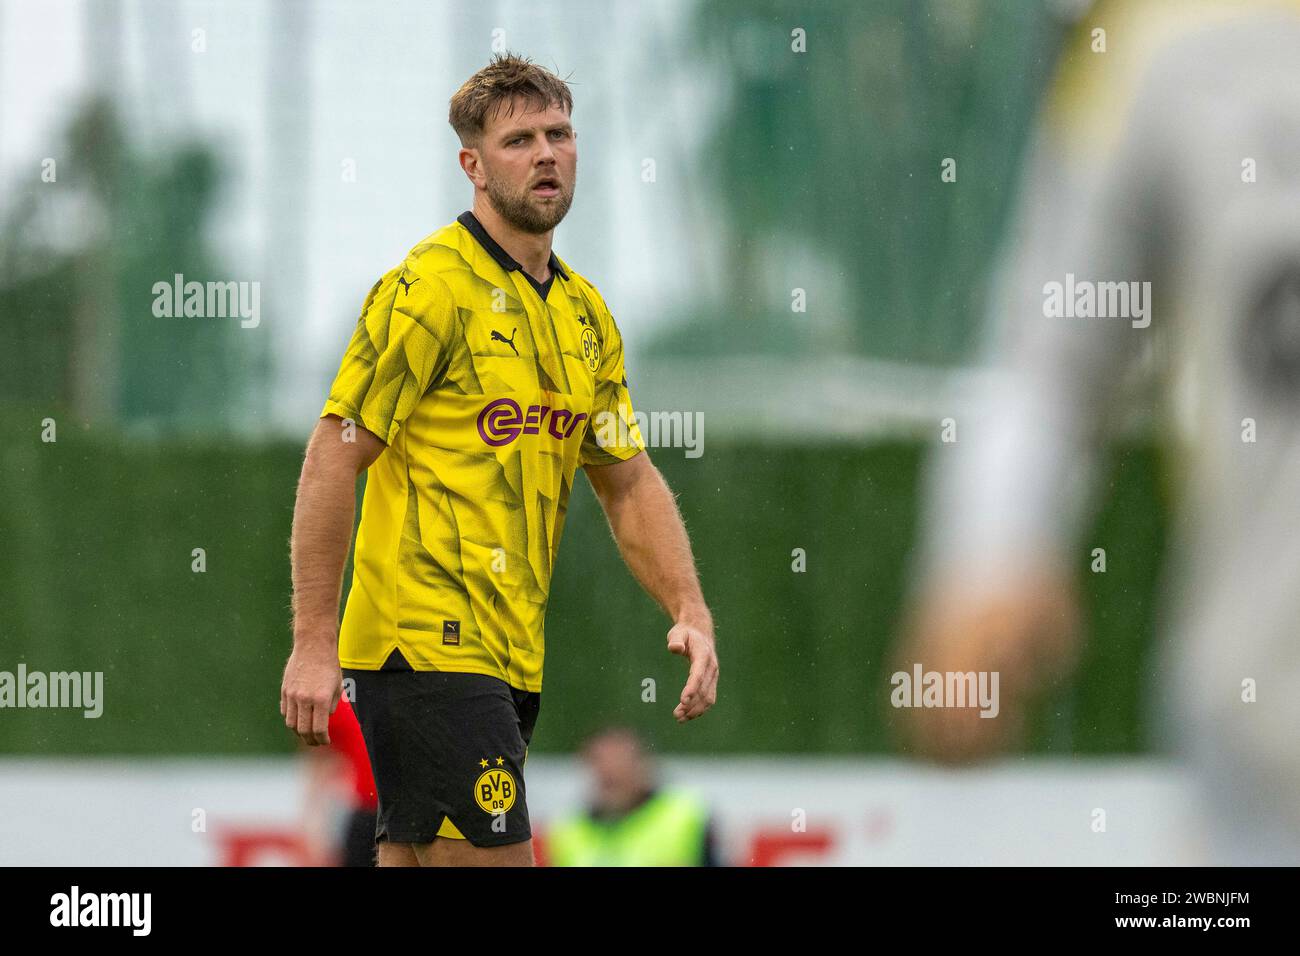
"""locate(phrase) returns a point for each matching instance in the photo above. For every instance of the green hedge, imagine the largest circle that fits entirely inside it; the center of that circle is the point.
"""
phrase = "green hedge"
(98, 533)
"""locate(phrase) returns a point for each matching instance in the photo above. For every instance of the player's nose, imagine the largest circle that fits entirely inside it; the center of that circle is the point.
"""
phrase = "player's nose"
(545, 154)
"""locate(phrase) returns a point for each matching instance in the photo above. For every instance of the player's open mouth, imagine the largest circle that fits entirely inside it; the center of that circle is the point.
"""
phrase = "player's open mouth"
(547, 187)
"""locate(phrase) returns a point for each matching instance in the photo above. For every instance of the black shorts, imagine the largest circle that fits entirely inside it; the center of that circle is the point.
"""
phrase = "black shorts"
(445, 746)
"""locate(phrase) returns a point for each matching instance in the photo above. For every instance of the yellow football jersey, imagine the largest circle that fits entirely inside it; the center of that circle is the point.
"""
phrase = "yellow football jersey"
(489, 391)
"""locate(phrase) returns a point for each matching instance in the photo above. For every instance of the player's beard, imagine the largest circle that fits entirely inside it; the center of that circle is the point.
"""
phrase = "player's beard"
(523, 211)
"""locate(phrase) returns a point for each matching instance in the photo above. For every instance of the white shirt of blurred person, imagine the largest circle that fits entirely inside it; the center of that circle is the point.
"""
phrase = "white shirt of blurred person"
(1173, 158)
(631, 820)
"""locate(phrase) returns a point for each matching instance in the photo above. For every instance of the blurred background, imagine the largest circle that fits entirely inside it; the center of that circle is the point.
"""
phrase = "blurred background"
(763, 202)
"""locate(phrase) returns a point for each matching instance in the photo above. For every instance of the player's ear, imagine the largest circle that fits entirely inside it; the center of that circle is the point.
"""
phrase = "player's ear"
(471, 164)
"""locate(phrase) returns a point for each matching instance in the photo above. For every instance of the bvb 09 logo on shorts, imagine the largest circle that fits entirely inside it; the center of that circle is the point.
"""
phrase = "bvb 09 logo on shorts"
(495, 791)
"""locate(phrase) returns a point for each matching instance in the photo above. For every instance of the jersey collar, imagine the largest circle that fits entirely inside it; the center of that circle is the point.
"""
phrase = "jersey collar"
(503, 258)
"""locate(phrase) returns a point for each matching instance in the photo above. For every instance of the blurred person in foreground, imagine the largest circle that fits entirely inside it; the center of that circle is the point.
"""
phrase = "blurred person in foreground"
(1172, 159)
(631, 819)
(341, 801)
(482, 373)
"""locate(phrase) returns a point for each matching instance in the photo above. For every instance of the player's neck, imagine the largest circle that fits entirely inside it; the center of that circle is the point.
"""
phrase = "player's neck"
(530, 250)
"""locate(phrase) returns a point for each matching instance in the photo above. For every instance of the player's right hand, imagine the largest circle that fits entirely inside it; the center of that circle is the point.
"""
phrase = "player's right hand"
(312, 686)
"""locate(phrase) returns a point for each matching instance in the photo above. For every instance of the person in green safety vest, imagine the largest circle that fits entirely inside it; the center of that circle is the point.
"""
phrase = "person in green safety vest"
(631, 820)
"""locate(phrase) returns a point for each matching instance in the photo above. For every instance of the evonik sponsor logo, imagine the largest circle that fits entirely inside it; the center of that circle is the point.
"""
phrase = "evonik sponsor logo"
(503, 420)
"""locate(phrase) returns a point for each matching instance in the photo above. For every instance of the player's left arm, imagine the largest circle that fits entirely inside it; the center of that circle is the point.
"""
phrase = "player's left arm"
(652, 538)
(643, 515)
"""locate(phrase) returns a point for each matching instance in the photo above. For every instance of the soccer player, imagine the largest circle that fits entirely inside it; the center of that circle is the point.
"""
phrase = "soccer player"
(1174, 162)
(483, 372)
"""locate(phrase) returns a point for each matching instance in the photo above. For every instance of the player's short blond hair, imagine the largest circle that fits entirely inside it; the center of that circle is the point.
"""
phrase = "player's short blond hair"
(497, 84)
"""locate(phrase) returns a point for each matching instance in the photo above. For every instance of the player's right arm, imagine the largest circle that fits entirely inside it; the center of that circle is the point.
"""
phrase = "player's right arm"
(322, 531)
(397, 352)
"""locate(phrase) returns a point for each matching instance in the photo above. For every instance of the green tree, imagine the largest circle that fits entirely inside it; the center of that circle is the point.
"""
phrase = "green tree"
(78, 264)
(838, 148)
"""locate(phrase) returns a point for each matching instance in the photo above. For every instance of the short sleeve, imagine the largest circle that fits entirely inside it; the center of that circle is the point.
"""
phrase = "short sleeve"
(613, 434)
(396, 353)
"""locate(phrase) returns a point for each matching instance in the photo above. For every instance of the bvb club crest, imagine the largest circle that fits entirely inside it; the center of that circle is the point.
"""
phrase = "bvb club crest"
(590, 348)
(495, 790)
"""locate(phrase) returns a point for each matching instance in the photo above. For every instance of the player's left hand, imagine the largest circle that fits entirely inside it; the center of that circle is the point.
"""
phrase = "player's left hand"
(701, 690)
